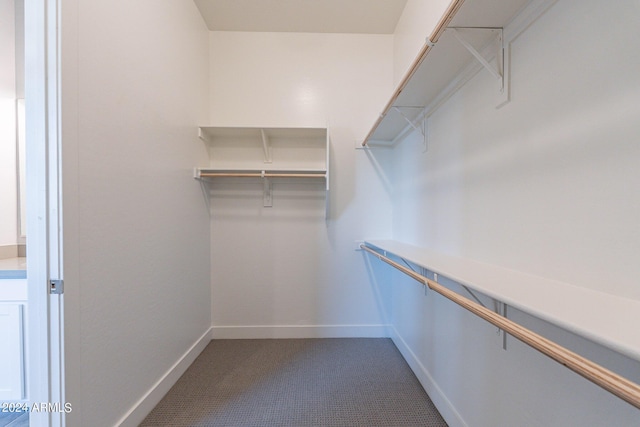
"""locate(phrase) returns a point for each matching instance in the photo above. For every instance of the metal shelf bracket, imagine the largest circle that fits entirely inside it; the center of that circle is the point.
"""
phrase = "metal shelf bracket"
(266, 146)
(422, 129)
(498, 70)
(498, 50)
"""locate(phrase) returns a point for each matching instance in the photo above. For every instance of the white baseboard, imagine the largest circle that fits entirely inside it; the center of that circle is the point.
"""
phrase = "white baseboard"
(300, 331)
(8, 251)
(145, 405)
(444, 405)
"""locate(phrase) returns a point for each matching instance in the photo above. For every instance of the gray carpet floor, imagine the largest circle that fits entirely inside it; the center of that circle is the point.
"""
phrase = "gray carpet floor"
(297, 382)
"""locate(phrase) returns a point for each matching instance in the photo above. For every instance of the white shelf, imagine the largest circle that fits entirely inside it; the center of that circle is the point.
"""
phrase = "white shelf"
(603, 318)
(236, 148)
(444, 63)
(266, 153)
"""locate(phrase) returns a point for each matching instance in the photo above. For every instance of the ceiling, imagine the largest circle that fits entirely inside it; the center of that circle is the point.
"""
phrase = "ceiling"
(304, 16)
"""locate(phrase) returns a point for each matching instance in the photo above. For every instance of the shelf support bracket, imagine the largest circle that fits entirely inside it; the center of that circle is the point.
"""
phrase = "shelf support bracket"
(421, 119)
(265, 146)
(201, 135)
(500, 308)
(466, 288)
(408, 265)
(498, 70)
(413, 125)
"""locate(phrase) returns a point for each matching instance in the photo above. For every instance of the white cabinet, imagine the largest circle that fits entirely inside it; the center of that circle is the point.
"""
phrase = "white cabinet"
(11, 351)
(268, 154)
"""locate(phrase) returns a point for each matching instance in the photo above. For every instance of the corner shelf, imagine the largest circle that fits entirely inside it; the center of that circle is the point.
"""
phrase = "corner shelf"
(470, 36)
(267, 154)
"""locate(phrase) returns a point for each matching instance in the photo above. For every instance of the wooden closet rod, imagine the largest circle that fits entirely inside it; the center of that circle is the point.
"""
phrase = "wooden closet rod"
(259, 175)
(448, 15)
(610, 381)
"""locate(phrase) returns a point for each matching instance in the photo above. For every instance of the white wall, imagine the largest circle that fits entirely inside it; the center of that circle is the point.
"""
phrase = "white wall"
(415, 25)
(137, 279)
(7, 49)
(8, 185)
(136, 228)
(285, 271)
(546, 185)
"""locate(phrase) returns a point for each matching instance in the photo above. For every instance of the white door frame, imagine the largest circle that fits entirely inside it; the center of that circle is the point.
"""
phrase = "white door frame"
(45, 372)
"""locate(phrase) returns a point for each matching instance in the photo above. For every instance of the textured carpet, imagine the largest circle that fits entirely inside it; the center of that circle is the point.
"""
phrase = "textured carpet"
(297, 382)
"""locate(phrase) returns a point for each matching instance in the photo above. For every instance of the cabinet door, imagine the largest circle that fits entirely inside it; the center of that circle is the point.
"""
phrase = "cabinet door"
(11, 352)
